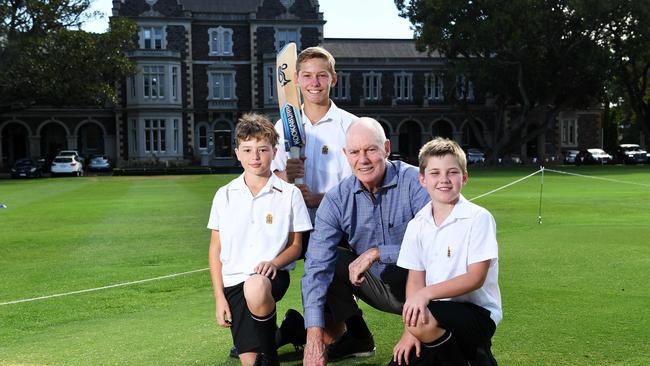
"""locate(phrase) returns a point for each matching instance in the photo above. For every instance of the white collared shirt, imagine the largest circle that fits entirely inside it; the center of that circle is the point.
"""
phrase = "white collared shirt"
(326, 164)
(468, 235)
(254, 229)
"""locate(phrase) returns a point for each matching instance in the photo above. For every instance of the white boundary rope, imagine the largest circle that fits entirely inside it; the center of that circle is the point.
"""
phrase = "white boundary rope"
(103, 287)
(504, 187)
(599, 178)
(542, 169)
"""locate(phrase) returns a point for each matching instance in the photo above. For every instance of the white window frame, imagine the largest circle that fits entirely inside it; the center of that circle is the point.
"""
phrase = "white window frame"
(153, 37)
(403, 85)
(220, 41)
(372, 86)
(281, 37)
(463, 85)
(153, 81)
(569, 132)
(434, 86)
(176, 134)
(270, 96)
(175, 84)
(217, 76)
(341, 91)
(155, 138)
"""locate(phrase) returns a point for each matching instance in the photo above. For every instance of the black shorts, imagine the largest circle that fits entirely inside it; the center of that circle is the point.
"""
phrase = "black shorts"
(469, 324)
(244, 334)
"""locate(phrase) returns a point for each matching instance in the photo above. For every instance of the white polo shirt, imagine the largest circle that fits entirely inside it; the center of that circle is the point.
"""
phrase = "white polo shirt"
(326, 164)
(468, 235)
(255, 229)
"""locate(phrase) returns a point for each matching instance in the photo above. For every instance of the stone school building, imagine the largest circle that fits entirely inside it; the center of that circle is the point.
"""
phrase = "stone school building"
(202, 64)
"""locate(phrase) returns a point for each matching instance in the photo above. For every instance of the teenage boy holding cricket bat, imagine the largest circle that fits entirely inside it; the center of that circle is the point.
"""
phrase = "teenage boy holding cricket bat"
(323, 164)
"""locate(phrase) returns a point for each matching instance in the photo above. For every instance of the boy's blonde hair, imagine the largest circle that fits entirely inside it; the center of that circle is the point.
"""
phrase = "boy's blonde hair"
(439, 147)
(316, 52)
(258, 126)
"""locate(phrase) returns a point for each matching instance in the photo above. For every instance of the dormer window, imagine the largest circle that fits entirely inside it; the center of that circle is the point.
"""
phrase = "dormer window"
(220, 41)
(152, 38)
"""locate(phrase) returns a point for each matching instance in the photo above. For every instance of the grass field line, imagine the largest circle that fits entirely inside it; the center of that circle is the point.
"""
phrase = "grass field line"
(593, 177)
(104, 287)
(505, 186)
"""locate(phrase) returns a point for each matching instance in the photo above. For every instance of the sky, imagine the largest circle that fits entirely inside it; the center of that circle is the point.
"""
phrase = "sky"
(345, 19)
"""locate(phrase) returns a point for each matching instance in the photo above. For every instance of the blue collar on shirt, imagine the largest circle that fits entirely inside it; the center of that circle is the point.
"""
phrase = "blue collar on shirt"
(390, 178)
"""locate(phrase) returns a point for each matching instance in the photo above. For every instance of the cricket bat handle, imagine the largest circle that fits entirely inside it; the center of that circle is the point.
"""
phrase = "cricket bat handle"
(294, 153)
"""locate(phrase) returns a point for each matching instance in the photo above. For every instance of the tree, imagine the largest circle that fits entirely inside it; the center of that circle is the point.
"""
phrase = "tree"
(627, 37)
(44, 61)
(532, 58)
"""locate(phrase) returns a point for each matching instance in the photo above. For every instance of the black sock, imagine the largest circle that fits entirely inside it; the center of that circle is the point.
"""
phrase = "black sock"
(357, 327)
(266, 326)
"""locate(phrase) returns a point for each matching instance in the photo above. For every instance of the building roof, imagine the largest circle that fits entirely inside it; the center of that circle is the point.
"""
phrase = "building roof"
(222, 6)
(374, 48)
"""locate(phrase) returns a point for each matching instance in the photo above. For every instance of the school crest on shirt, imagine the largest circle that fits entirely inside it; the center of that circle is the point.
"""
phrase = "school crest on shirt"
(325, 150)
(269, 218)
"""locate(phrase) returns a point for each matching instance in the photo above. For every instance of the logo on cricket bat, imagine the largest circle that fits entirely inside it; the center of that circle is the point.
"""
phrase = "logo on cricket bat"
(292, 127)
(282, 77)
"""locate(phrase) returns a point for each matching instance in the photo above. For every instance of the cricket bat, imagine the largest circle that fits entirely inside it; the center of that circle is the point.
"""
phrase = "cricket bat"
(289, 102)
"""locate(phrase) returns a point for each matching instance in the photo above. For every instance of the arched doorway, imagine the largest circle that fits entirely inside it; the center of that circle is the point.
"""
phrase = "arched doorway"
(91, 139)
(442, 128)
(53, 139)
(15, 143)
(410, 139)
(469, 137)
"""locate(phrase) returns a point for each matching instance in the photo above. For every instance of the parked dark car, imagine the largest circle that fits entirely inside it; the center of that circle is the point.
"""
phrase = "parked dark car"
(26, 168)
(630, 154)
(593, 156)
(99, 163)
(570, 156)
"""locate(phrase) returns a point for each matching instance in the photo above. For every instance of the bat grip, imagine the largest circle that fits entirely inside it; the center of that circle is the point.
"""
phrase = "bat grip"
(294, 153)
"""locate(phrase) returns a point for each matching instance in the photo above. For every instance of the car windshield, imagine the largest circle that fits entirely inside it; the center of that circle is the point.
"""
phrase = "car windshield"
(67, 153)
(23, 162)
(632, 148)
(63, 160)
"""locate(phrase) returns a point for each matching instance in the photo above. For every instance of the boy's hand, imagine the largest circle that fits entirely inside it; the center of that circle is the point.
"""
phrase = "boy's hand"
(415, 309)
(224, 317)
(295, 168)
(403, 348)
(267, 269)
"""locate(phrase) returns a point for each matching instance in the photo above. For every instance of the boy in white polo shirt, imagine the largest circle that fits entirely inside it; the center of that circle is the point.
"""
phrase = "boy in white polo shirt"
(257, 222)
(453, 302)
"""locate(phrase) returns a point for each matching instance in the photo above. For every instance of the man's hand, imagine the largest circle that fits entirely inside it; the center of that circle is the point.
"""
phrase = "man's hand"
(315, 353)
(360, 265)
(223, 313)
(415, 308)
(312, 199)
(295, 169)
(403, 348)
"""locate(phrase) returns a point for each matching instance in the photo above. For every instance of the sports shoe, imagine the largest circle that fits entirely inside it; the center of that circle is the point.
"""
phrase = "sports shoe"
(263, 359)
(349, 346)
(292, 330)
(233, 352)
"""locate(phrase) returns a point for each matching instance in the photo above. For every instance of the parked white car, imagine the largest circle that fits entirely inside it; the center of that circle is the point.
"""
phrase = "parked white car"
(67, 165)
(74, 153)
